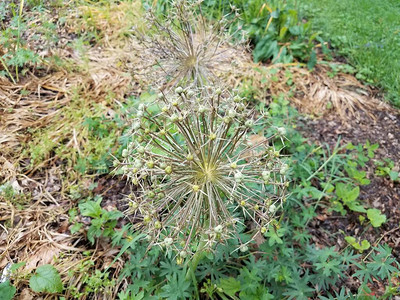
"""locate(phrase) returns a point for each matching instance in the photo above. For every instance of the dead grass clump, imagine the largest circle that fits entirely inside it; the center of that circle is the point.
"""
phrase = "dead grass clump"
(312, 92)
(29, 104)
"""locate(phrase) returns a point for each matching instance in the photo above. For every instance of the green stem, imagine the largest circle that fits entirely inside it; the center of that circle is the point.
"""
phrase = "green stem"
(8, 71)
(192, 265)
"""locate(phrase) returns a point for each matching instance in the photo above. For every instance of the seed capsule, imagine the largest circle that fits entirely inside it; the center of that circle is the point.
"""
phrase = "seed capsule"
(157, 225)
(238, 177)
(179, 90)
(213, 136)
(281, 130)
(243, 248)
(168, 170)
(218, 229)
(168, 241)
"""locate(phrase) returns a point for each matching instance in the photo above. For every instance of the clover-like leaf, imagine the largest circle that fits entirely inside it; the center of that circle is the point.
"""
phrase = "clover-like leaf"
(46, 279)
(376, 217)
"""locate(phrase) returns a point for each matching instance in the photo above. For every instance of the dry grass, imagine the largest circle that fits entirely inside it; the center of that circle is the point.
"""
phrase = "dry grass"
(35, 229)
(312, 92)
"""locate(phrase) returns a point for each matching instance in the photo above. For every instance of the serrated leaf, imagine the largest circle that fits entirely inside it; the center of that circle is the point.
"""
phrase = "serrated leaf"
(376, 217)
(7, 291)
(91, 209)
(46, 279)
(230, 286)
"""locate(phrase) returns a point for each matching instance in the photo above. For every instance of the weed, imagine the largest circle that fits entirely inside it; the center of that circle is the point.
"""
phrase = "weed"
(14, 52)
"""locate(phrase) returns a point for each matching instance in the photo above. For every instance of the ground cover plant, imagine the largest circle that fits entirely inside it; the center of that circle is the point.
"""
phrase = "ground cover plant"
(246, 185)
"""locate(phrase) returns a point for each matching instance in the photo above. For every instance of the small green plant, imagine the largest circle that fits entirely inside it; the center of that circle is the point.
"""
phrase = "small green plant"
(360, 246)
(102, 223)
(348, 194)
(387, 168)
(16, 54)
(376, 217)
(46, 279)
(92, 282)
(196, 171)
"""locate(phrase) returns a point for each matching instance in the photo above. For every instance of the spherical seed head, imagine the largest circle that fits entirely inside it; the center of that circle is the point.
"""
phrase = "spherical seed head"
(263, 230)
(199, 172)
(157, 225)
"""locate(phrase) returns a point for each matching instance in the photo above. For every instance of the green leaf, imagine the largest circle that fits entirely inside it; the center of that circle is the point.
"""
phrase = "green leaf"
(7, 291)
(360, 247)
(76, 227)
(15, 267)
(376, 217)
(91, 209)
(46, 279)
(394, 175)
(230, 286)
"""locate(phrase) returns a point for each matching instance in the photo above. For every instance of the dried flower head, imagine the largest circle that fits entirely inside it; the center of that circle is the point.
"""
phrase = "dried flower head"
(184, 47)
(198, 170)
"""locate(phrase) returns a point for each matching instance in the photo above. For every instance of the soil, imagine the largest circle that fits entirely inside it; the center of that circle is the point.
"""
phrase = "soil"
(381, 193)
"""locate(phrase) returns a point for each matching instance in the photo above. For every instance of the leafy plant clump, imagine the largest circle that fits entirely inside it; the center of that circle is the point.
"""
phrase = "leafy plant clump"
(197, 171)
(14, 53)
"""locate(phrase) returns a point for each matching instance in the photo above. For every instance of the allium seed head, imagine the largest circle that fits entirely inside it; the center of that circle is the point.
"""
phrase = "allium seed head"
(196, 174)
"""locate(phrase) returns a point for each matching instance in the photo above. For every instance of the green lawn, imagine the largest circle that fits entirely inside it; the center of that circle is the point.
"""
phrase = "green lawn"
(367, 32)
